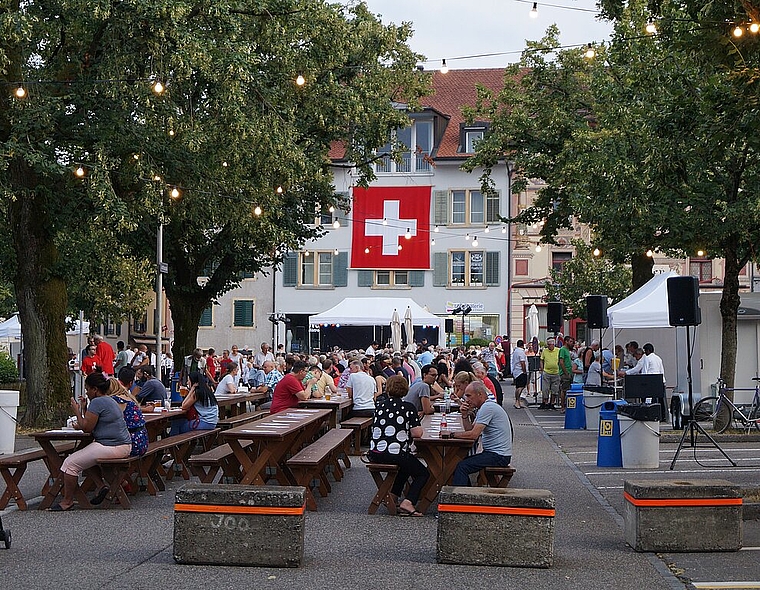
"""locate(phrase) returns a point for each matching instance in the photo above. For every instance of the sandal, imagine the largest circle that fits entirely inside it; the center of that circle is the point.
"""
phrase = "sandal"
(404, 512)
(100, 496)
(517, 406)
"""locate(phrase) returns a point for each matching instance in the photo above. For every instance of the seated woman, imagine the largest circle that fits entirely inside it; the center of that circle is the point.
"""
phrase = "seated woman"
(133, 416)
(396, 422)
(199, 405)
(228, 384)
(461, 381)
(443, 374)
(105, 420)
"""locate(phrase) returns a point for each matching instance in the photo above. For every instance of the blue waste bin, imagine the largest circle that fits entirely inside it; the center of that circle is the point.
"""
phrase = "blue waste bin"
(176, 397)
(608, 450)
(575, 413)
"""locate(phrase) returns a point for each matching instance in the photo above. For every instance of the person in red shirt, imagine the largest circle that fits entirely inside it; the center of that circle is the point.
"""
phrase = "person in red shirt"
(104, 354)
(291, 389)
(90, 361)
(223, 362)
(211, 366)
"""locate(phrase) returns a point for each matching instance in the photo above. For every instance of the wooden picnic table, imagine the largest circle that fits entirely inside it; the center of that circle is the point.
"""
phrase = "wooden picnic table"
(440, 455)
(156, 423)
(237, 403)
(54, 461)
(339, 405)
(273, 438)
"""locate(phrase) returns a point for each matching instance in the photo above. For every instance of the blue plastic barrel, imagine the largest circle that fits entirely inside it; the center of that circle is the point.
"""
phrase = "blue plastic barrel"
(176, 397)
(608, 451)
(575, 412)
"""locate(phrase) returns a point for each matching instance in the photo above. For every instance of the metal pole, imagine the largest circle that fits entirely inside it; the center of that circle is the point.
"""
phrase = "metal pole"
(159, 320)
(509, 256)
(80, 345)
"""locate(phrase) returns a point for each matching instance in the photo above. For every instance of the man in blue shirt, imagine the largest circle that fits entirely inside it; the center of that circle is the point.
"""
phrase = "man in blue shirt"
(152, 390)
(492, 424)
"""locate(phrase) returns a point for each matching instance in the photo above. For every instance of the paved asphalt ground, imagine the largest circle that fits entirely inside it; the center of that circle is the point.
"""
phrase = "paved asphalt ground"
(348, 549)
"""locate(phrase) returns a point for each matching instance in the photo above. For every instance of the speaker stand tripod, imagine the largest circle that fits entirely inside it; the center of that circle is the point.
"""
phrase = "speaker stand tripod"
(692, 426)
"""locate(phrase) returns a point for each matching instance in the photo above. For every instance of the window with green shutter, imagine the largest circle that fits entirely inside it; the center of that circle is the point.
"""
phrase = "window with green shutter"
(207, 317)
(441, 207)
(440, 269)
(340, 269)
(492, 268)
(290, 269)
(493, 207)
(416, 278)
(243, 313)
(365, 278)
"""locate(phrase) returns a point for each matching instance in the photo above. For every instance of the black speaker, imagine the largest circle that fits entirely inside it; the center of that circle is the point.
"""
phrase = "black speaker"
(683, 301)
(449, 325)
(596, 311)
(554, 312)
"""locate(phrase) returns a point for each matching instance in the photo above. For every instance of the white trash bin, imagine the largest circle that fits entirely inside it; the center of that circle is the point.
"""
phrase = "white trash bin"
(593, 402)
(8, 408)
(639, 443)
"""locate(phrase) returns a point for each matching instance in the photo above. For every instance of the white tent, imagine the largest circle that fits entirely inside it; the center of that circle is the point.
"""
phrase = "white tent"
(647, 307)
(10, 329)
(375, 311)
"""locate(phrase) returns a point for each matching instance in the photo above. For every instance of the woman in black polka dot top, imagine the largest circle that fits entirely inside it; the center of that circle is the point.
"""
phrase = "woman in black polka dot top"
(396, 423)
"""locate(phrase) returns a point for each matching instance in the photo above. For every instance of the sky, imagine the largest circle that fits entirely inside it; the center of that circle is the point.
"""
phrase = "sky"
(448, 29)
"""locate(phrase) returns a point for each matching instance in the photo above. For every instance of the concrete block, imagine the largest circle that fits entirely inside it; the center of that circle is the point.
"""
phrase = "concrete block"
(687, 515)
(239, 525)
(495, 526)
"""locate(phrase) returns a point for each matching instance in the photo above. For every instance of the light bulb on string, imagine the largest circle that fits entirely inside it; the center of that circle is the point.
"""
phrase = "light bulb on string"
(538, 247)
(467, 237)
(590, 52)
(20, 92)
(366, 250)
(596, 252)
(400, 247)
(487, 230)
(754, 28)
(700, 253)
(257, 210)
(650, 253)
(306, 253)
(171, 132)
(175, 193)
(224, 164)
(300, 80)
(651, 27)
(444, 68)
(432, 241)
(336, 224)
(435, 229)
(79, 172)
(738, 32)
(503, 229)
(408, 234)
(475, 241)
(385, 221)
(158, 87)
(534, 11)
(279, 190)
(331, 209)
(337, 251)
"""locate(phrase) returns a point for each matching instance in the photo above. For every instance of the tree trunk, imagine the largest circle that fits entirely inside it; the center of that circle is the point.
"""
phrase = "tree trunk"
(642, 266)
(42, 299)
(729, 306)
(186, 314)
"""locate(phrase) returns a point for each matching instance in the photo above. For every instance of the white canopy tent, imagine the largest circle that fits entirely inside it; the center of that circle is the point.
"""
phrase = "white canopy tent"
(10, 329)
(376, 311)
(644, 316)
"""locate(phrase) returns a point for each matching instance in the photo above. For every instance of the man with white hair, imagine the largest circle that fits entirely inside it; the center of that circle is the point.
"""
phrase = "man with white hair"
(549, 366)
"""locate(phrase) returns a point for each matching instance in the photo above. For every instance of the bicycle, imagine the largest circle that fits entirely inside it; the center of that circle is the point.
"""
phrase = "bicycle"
(722, 411)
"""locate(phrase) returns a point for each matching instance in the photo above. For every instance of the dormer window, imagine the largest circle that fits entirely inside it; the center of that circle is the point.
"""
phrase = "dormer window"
(470, 135)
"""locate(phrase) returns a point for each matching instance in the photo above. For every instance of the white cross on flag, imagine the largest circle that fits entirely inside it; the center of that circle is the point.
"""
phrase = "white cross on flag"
(382, 218)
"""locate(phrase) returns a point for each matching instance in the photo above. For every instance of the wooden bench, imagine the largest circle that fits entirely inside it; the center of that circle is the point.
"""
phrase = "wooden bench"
(240, 419)
(206, 466)
(13, 466)
(358, 424)
(148, 468)
(495, 477)
(310, 463)
(384, 475)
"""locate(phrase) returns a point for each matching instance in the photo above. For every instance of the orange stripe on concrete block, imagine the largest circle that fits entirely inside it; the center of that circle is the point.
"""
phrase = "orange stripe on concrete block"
(470, 509)
(217, 509)
(681, 502)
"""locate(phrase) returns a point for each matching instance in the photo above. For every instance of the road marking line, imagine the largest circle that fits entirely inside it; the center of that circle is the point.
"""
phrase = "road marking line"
(719, 585)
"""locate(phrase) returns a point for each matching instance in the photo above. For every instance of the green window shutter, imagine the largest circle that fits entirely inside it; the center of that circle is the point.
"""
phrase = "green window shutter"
(492, 269)
(243, 313)
(340, 269)
(492, 207)
(441, 204)
(416, 278)
(440, 269)
(366, 277)
(290, 269)
(207, 317)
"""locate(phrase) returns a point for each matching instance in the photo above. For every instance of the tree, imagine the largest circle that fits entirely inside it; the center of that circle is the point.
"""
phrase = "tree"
(231, 132)
(586, 274)
(652, 144)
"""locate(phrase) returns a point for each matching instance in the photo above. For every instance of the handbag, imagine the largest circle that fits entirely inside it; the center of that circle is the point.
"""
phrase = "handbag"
(192, 416)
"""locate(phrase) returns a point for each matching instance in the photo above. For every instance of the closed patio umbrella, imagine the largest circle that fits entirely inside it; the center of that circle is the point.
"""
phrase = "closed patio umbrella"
(396, 331)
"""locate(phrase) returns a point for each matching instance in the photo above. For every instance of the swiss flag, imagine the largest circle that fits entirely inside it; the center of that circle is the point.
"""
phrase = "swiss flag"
(382, 216)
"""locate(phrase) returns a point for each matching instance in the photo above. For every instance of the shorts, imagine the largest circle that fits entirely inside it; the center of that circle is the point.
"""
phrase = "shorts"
(550, 384)
(521, 380)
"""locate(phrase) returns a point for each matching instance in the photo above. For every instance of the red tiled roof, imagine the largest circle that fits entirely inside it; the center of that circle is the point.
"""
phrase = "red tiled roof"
(454, 90)
(451, 92)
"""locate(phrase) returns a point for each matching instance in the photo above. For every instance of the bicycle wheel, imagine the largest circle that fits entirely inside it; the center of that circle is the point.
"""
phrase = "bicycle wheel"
(707, 410)
(723, 417)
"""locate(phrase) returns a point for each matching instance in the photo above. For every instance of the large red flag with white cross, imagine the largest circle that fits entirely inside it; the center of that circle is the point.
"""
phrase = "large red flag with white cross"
(391, 228)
